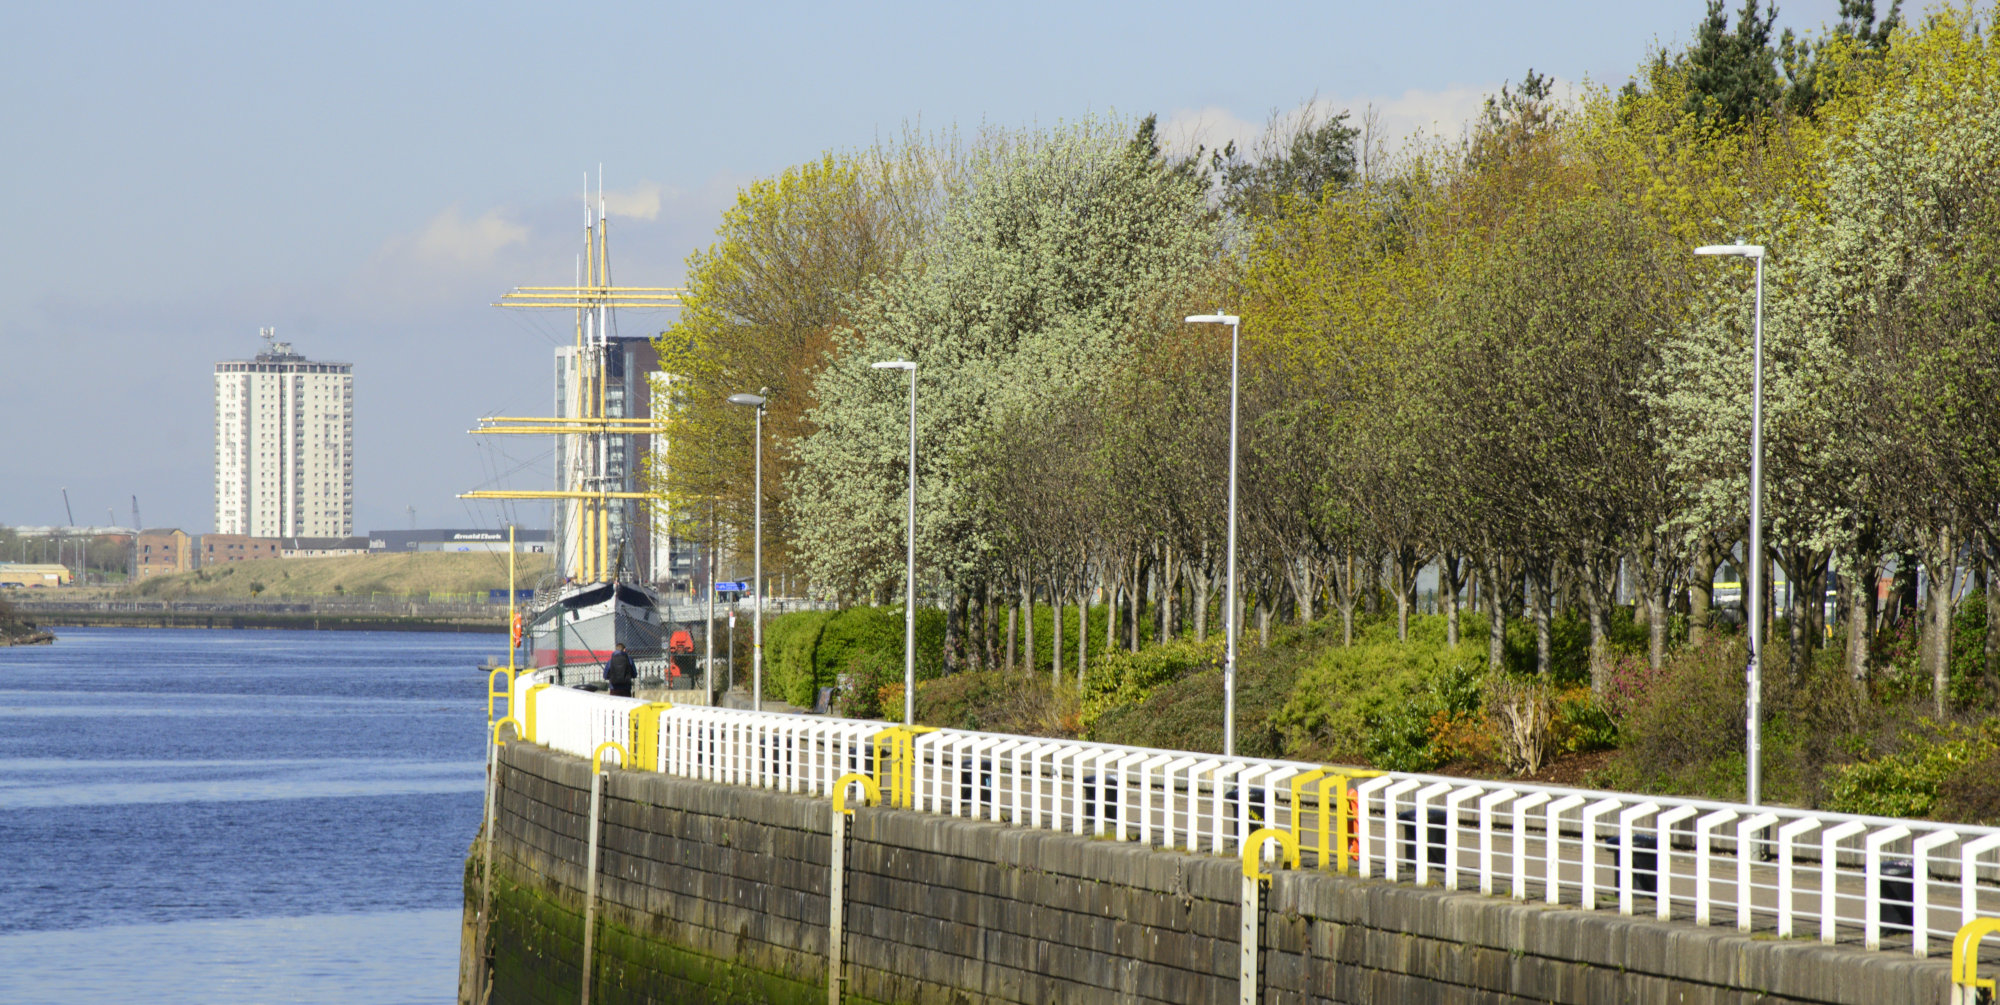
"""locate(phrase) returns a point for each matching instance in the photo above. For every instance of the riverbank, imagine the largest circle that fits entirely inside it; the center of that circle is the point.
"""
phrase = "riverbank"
(336, 615)
(14, 631)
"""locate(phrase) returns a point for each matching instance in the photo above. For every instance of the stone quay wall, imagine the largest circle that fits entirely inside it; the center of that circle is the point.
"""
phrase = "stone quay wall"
(717, 893)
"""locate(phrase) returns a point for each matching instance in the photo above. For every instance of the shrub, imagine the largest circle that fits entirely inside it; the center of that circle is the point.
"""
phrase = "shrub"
(995, 701)
(1377, 701)
(1972, 793)
(1688, 721)
(1967, 685)
(1120, 678)
(1908, 783)
(790, 641)
(1523, 712)
(1581, 722)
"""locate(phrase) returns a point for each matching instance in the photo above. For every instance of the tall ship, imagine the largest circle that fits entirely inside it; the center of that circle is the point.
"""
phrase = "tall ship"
(598, 596)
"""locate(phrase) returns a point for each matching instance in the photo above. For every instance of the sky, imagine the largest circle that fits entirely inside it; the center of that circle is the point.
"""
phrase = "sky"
(368, 178)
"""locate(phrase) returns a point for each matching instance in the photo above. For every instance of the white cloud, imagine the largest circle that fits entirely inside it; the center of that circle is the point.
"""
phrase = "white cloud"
(449, 241)
(1415, 114)
(640, 202)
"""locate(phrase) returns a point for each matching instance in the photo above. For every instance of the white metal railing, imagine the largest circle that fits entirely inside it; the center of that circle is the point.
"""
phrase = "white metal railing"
(1881, 882)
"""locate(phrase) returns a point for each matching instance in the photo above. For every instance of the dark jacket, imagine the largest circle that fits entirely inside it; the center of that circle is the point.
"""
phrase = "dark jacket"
(619, 670)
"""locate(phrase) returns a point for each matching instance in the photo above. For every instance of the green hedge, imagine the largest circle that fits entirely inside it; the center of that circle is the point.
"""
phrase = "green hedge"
(790, 645)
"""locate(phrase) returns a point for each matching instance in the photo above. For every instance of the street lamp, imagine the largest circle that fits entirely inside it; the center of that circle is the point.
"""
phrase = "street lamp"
(1229, 610)
(910, 553)
(756, 401)
(1754, 606)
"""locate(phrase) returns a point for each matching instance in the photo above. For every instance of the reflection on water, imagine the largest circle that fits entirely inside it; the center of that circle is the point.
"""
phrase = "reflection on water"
(379, 959)
(236, 816)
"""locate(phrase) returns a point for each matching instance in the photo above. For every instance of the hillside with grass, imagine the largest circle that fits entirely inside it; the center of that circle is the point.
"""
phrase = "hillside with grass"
(434, 575)
(1415, 703)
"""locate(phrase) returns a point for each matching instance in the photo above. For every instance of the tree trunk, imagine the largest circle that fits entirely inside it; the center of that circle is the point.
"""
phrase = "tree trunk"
(1263, 620)
(1198, 590)
(1346, 600)
(954, 627)
(1450, 579)
(1701, 592)
(1407, 563)
(975, 625)
(1298, 572)
(1941, 565)
(1013, 615)
(1992, 662)
(1496, 617)
(1138, 596)
(1596, 607)
(1082, 635)
(1111, 612)
(1371, 584)
(1540, 588)
(1055, 639)
(1028, 624)
(1860, 577)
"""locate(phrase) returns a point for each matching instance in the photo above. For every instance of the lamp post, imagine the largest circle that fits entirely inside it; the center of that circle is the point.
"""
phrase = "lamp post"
(756, 401)
(1229, 610)
(1753, 676)
(910, 556)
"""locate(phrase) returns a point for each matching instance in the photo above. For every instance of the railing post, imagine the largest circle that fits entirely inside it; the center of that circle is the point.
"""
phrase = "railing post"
(590, 867)
(1253, 880)
(1552, 861)
(1664, 823)
(1487, 804)
(1871, 890)
(481, 975)
(1787, 835)
(1704, 856)
(1920, 889)
(1829, 875)
(836, 886)
(1744, 837)
(1521, 808)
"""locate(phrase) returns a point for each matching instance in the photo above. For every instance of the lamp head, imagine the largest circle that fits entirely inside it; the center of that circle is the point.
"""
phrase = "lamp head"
(894, 364)
(1218, 318)
(753, 400)
(1737, 250)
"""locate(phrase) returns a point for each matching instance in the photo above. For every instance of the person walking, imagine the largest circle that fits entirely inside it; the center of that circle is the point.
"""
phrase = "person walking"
(620, 672)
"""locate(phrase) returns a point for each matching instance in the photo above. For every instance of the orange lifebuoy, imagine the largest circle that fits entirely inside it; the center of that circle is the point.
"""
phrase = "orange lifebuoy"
(517, 632)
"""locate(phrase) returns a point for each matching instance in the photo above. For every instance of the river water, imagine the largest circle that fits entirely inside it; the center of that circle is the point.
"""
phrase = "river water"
(237, 816)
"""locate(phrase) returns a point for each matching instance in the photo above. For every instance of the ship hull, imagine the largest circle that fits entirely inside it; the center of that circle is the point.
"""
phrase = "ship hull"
(585, 624)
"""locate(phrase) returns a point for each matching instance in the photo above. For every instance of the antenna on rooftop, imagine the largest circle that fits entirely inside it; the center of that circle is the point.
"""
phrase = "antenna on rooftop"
(269, 335)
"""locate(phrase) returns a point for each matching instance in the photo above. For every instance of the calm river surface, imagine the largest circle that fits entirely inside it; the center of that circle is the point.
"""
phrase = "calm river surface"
(237, 816)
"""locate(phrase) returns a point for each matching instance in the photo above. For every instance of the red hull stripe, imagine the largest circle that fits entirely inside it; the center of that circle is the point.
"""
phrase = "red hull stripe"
(575, 657)
(547, 657)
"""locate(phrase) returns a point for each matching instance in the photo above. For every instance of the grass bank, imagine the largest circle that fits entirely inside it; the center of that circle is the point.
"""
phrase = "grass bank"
(1417, 704)
(433, 574)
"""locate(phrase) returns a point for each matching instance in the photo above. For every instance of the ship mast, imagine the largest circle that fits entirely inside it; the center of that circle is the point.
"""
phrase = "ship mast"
(588, 488)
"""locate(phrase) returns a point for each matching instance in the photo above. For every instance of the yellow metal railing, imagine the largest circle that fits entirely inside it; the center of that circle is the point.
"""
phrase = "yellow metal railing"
(1965, 982)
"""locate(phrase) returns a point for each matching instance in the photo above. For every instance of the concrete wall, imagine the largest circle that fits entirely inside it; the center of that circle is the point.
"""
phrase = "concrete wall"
(712, 893)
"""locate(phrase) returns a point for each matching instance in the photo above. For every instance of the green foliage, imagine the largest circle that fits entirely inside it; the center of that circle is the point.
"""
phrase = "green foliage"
(1688, 725)
(1733, 73)
(790, 661)
(998, 702)
(1375, 701)
(1123, 679)
(1970, 689)
(1582, 723)
(1907, 784)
